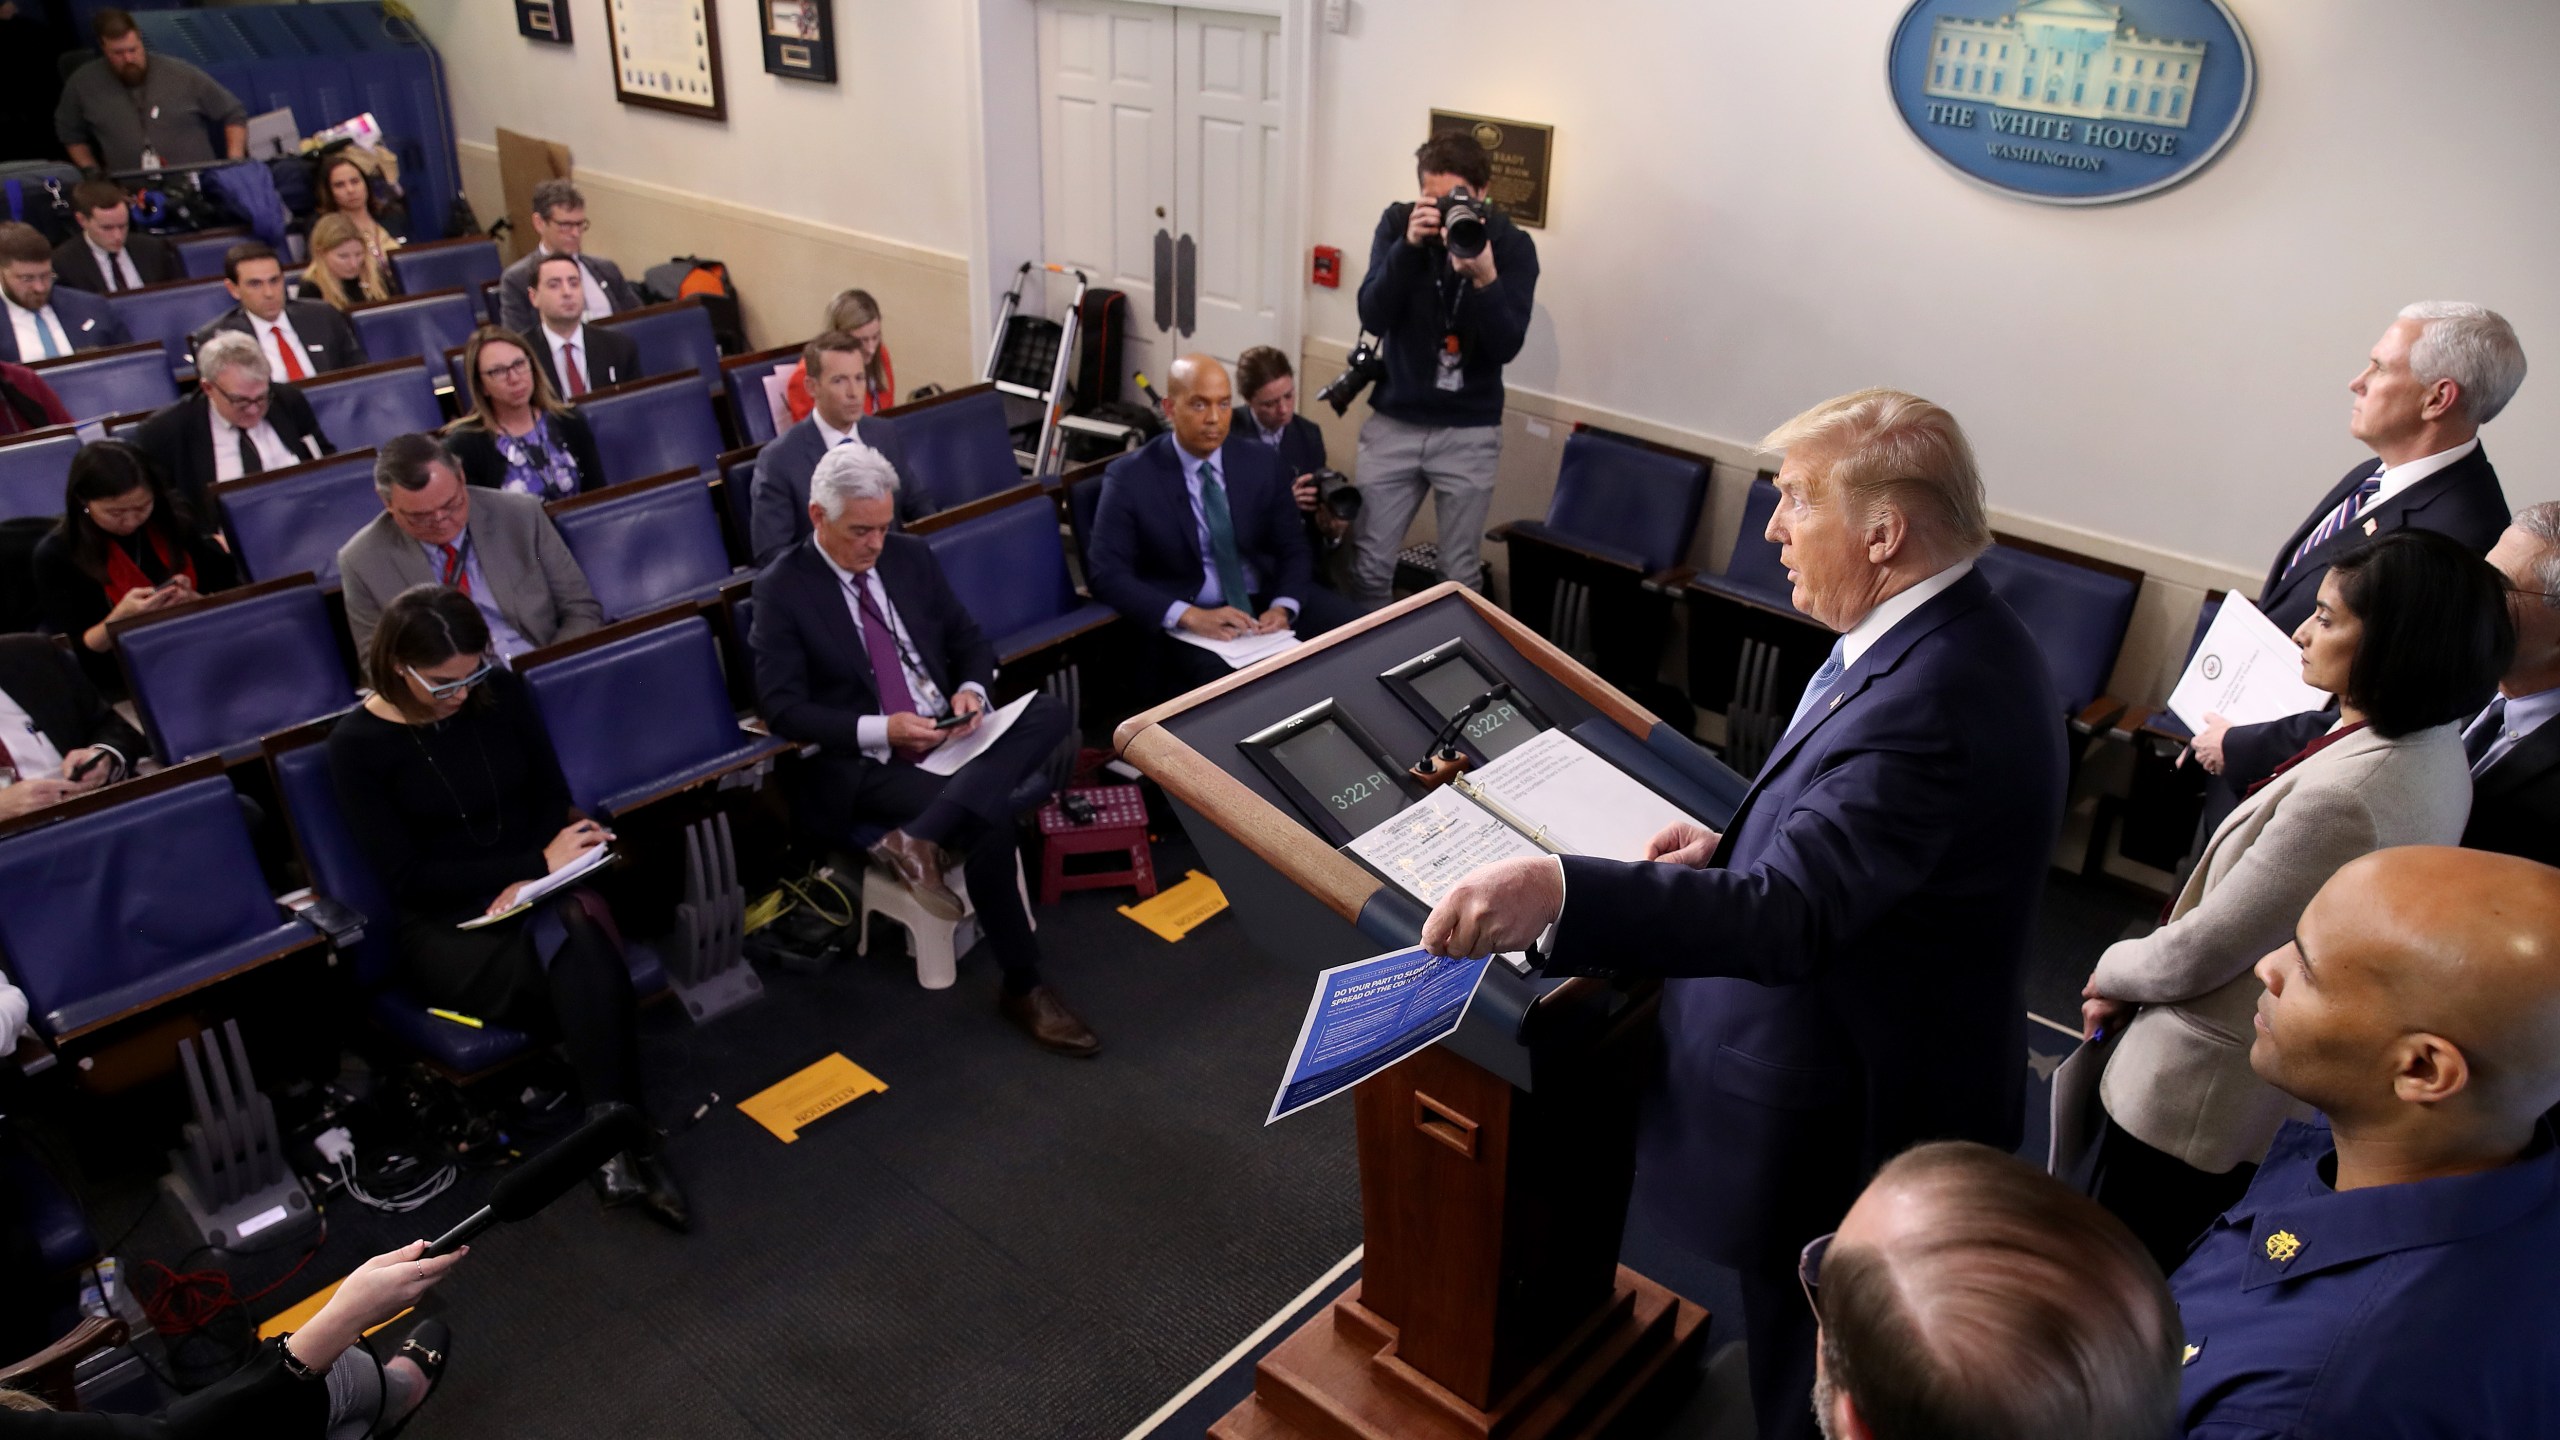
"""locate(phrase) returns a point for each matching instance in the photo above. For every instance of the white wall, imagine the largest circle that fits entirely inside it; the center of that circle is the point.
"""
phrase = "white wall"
(1741, 226)
(884, 151)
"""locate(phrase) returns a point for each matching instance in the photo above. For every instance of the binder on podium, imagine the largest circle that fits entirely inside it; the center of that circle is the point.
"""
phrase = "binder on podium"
(1495, 1167)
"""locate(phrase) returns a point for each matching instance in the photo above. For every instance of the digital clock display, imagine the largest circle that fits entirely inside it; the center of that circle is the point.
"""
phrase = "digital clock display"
(1340, 774)
(1453, 685)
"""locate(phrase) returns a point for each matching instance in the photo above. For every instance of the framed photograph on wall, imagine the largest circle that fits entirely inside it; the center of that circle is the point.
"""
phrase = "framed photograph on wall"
(666, 56)
(800, 38)
(544, 20)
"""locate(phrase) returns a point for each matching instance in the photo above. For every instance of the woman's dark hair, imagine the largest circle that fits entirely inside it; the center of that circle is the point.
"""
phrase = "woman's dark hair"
(423, 625)
(2437, 634)
(105, 470)
(328, 201)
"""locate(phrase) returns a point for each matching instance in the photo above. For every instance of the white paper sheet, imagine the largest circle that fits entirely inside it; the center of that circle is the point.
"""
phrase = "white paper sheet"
(950, 755)
(2245, 670)
(1572, 800)
(1244, 649)
(1438, 841)
(534, 890)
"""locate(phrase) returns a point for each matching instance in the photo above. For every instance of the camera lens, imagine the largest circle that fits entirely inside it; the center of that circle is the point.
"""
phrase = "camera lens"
(1462, 223)
(1344, 502)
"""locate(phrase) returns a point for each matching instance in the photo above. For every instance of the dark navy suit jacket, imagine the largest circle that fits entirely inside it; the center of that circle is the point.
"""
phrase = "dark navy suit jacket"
(1869, 910)
(1145, 552)
(87, 319)
(813, 676)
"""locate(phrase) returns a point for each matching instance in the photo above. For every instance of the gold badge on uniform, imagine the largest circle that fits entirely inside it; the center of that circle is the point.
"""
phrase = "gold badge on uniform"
(2282, 1246)
(2192, 1352)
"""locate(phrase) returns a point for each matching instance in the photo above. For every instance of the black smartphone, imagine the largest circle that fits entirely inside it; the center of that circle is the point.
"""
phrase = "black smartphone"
(953, 722)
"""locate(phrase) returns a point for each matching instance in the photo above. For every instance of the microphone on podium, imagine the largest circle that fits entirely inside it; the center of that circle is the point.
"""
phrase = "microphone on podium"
(1444, 762)
(524, 1191)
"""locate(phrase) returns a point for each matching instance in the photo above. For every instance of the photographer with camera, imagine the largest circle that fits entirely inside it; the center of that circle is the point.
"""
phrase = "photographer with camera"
(1269, 416)
(1448, 293)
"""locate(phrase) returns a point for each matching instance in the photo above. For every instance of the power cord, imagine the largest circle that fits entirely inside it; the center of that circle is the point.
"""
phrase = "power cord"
(338, 1148)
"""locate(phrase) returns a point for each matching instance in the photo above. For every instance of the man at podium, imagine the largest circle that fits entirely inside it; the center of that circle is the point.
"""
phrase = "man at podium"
(1851, 947)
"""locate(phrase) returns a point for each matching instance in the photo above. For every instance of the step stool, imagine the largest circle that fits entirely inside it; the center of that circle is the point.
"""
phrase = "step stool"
(1120, 825)
(938, 943)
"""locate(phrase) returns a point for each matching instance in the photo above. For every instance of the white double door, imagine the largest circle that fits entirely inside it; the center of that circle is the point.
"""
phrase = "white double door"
(1162, 163)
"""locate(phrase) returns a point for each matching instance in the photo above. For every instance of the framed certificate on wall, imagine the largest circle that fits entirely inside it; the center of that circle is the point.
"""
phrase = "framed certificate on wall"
(800, 38)
(666, 55)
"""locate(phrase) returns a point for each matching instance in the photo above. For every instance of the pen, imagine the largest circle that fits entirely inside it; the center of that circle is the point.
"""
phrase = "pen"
(457, 1017)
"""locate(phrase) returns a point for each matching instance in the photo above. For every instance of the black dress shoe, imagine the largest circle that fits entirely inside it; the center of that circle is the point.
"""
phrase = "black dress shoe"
(1040, 1011)
(640, 1178)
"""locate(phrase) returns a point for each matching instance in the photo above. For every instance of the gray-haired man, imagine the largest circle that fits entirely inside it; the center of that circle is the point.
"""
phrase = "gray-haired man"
(862, 650)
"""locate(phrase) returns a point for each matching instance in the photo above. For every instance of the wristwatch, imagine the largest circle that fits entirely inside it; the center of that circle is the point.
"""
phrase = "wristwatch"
(293, 1365)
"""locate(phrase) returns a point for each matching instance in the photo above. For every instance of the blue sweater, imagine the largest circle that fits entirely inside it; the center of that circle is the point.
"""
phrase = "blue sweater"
(1408, 297)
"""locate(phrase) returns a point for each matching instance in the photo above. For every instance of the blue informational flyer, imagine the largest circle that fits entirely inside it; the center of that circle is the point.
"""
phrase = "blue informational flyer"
(1370, 1014)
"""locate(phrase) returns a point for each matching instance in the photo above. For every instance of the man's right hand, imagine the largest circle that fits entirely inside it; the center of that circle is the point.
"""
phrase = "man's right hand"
(911, 732)
(28, 796)
(1682, 842)
(1423, 225)
(1303, 490)
(1226, 622)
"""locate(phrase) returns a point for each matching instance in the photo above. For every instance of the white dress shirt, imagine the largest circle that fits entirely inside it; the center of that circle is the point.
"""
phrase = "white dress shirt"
(2524, 715)
(33, 756)
(871, 732)
(1862, 637)
(2396, 478)
(559, 366)
(117, 268)
(31, 341)
(277, 334)
(273, 453)
(599, 304)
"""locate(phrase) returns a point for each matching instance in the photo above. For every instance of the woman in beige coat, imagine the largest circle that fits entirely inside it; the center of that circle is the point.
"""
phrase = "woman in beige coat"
(2410, 633)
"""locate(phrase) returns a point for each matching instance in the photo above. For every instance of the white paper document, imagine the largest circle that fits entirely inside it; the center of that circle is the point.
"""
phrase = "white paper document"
(1244, 649)
(2245, 670)
(1367, 1015)
(1571, 800)
(534, 890)
(1438, 841)
(950, 755)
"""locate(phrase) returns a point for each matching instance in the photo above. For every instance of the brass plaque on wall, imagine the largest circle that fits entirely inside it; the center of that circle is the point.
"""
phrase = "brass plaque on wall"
(1520, 151)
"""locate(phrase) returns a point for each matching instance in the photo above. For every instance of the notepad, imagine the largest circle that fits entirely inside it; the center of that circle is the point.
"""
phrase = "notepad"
(950, 755)
(534, 890)
(1570, 800)
(1244, 649)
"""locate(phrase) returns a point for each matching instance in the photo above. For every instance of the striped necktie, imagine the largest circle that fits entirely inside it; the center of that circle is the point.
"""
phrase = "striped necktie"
(2348, 509)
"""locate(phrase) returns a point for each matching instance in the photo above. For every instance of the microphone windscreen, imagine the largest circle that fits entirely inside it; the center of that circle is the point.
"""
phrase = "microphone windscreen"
(525, 1190)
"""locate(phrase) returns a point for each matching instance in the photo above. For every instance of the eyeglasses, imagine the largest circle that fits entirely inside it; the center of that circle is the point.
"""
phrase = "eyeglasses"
(569, 227)
(241, 402)
(440, 514)
(1809, 1270)
(508, 371)
(437, 690)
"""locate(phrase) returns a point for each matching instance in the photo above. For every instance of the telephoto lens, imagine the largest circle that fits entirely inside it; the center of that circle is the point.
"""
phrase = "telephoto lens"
(1462, 223)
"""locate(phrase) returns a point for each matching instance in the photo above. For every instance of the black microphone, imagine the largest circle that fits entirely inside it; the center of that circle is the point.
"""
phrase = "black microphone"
(523, 1192)
(1442, 763)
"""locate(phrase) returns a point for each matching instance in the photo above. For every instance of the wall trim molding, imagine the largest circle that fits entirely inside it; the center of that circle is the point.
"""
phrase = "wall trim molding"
(654, 193)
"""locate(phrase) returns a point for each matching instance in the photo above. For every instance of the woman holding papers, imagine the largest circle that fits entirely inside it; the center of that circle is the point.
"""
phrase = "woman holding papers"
(449, 784)
(2410, 632)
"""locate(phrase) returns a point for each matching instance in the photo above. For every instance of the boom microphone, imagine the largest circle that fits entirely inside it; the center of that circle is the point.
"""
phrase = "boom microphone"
(523, 1192)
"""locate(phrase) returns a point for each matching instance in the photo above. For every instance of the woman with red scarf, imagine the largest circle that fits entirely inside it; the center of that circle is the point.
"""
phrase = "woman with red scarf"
(2410, 634)
(126, 545)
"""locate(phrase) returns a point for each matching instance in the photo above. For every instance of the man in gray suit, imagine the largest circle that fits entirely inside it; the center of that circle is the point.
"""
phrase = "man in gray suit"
(560, 219)
(496, 546)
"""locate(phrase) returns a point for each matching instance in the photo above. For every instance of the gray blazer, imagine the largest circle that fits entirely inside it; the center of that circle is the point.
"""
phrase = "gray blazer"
(2177, 1077)
(538, 585)
(515, 311)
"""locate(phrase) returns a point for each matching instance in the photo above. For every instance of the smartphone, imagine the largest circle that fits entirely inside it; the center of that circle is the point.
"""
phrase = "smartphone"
(953, 722)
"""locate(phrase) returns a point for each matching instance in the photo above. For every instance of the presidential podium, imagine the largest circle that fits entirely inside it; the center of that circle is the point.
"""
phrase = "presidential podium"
(1495, 1167)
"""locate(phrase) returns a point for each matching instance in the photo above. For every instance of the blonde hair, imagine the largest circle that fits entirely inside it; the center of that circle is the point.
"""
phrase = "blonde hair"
(1891, 449)
(482, 413)
(328, 233)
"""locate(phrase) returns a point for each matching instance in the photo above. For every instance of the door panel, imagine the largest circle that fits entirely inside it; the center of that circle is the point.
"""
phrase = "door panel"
(1106, 145)
(1227, 100)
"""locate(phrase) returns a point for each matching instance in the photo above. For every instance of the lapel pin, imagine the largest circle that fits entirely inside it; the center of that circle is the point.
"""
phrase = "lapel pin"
(2282, 1246)
(2372, 525)
(2192, 1351)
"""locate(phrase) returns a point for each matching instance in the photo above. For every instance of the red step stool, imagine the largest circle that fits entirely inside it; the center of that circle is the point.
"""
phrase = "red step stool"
(1120, 824)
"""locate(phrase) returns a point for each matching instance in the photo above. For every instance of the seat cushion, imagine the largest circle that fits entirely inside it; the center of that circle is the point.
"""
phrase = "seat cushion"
(455, 1047)
(758, 748)
(1033, 637)
(1536, 531)
(105, 1004)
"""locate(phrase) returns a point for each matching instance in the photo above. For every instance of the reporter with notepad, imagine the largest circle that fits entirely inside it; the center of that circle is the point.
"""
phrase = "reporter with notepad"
(450, 786)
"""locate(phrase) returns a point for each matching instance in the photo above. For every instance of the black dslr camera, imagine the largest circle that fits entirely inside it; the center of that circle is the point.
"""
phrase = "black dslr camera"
(1359, 371)
(1337, 495)
(1462, 222)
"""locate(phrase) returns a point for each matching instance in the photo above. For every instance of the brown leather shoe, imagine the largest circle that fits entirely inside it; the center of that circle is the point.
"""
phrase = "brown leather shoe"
(1040, 1011)
(918, 865)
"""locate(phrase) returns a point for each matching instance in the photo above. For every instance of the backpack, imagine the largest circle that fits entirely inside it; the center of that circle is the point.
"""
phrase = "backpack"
(690, 275)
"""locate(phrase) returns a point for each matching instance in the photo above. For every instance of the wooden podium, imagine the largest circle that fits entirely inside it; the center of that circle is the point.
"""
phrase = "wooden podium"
(1495, 1168)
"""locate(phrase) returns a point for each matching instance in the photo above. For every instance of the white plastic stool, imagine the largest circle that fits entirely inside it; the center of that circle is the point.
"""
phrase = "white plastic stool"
(938, 943)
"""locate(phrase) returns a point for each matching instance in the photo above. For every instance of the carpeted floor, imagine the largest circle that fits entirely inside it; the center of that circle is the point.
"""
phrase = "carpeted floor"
(1006, 1243)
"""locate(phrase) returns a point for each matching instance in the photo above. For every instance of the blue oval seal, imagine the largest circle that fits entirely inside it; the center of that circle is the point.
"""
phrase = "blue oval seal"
(2072, 102)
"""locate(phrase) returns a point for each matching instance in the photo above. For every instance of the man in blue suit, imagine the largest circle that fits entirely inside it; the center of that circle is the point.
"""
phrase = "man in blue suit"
(778, 502)
(1197, 536)
(46, 321)
(1851, 947)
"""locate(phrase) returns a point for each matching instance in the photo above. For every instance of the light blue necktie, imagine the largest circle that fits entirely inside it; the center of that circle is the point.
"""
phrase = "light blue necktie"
(44, 333)
(1820, 685)
(1222, 538)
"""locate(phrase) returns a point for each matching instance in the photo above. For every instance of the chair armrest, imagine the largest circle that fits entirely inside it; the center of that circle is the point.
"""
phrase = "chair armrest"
(49, 1371)
(1670, 582)
(1536, 533)
(2100, 714)
(335, 921)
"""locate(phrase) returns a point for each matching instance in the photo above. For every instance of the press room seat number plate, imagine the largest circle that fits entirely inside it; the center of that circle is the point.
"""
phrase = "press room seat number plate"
(2072, 102)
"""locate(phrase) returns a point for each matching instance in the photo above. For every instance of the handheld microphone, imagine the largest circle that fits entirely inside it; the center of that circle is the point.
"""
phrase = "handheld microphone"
(523, 1192)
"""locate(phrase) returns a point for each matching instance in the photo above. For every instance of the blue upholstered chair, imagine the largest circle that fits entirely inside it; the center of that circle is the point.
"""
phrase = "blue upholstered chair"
(1009, 567)
(1590, 576)
(1750, 650)
(33, 468)
(674, 339)
(663, 666)
(200, 255)
(651, 427)
(2078, 609)
(738, 498)
(465, 264)
(338, 869)
(743, 376)
(425, 326)
(115, 903)
(646, 546)
(214, 676)
(291, 522)
(170, 313)
(369, 404)
(953, 448)
(95, 384)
